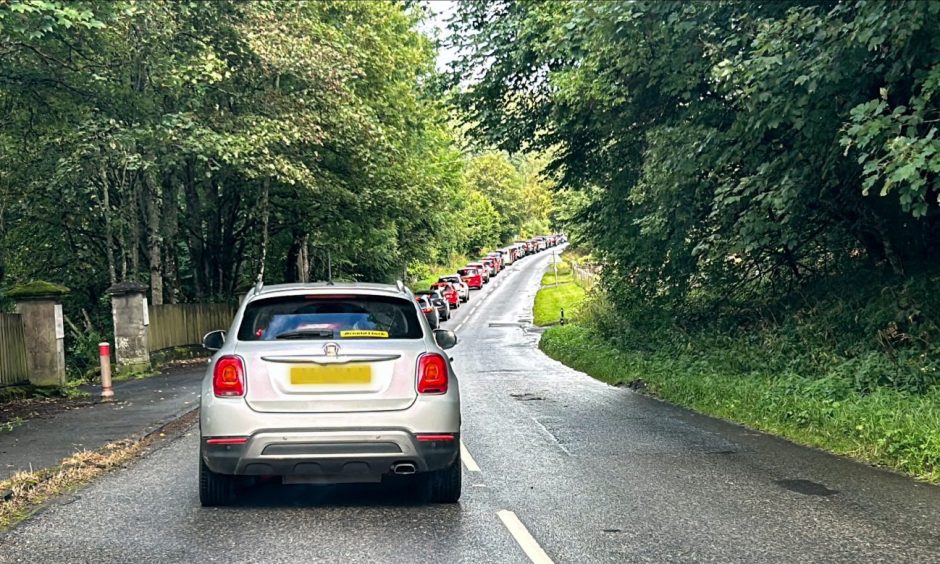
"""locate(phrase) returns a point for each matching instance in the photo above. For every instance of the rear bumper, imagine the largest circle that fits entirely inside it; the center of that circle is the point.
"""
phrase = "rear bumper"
(329, 457)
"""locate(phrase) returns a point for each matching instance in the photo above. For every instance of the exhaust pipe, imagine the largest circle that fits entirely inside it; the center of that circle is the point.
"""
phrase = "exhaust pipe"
(404, 468)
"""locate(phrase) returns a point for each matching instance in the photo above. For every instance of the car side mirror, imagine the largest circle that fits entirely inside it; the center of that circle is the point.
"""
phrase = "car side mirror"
(213, 340)
(446, 339)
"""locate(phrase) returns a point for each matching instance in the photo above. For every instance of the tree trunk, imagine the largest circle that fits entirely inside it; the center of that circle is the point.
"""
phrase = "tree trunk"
(108, 229)
(197, 253)
(134, 224)
(154, 242)
(265, 215)
(170, 232)
(292, 266)
(305, 260)
(213, 236)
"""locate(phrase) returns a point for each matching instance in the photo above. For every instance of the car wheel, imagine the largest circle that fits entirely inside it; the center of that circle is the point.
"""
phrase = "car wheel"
(215, 489)
(443, 486)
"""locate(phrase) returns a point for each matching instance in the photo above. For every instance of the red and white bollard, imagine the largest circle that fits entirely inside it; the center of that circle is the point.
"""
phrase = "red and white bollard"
(104, 352)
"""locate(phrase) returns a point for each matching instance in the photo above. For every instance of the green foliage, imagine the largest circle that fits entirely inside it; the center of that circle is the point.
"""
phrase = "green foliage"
(84, 363)
(493, 176)
(731, 148)
(197, 146)
(425, 275)
(889, 427)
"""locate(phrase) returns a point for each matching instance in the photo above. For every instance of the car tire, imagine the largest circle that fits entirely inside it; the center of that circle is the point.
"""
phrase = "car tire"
(443, 486)
(215, 489)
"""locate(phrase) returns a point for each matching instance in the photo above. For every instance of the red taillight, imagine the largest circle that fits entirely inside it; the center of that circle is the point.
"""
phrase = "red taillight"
(228, 379)
(427, 309)
(434, 438)
(432, 374)
(228, 441)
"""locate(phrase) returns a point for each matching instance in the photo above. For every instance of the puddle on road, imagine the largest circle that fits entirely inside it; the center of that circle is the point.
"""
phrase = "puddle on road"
(806, 487)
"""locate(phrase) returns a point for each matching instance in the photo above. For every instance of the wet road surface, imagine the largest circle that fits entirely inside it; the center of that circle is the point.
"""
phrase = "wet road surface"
(561, 468)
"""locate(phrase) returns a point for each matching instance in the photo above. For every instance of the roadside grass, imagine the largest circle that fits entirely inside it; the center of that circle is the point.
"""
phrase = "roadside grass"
(557, 293)
(9, 425)
(886, 427)
(24, 492)
(27, 391)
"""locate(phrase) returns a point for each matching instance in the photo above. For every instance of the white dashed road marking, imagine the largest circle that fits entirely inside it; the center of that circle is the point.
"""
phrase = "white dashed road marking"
(525, 540)
(468, 460)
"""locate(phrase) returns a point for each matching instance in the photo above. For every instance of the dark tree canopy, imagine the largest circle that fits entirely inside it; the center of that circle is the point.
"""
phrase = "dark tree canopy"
(723, 146)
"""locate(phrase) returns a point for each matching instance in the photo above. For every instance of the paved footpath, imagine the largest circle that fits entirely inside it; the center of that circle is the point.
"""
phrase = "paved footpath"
(140, 406)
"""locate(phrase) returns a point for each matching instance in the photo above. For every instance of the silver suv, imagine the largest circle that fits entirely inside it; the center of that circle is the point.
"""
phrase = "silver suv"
(325, 384)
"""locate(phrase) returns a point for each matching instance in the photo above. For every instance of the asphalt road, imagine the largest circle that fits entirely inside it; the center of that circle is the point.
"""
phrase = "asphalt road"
(563, 469)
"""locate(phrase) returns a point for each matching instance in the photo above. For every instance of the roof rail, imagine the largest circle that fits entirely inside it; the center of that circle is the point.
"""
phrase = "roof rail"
(401, 286)
(258, 286)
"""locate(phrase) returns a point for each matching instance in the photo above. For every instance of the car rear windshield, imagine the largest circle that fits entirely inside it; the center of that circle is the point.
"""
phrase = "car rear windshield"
(467, 272)
(314, 317)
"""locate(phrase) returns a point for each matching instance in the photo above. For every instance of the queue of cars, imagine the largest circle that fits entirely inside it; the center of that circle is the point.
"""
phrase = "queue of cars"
(452, 290)
(333, 383)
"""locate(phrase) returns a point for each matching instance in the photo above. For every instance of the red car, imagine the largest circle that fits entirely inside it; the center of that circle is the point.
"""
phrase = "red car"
(472, 277)
(491, 264)
(449, 292)
(498, 259)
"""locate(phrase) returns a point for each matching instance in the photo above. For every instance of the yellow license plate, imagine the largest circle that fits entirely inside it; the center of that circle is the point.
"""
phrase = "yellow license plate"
(343, 374)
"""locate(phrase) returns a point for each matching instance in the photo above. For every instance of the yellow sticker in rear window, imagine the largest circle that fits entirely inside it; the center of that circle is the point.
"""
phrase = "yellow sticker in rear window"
(364, 333)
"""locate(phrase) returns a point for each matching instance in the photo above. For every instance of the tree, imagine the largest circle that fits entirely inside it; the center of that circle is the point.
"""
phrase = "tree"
(725, 148)
(199, 146)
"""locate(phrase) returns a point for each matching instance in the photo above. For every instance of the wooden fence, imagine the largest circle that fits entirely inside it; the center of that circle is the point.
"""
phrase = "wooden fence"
(584, 274)
(13, 368)
(180, 325)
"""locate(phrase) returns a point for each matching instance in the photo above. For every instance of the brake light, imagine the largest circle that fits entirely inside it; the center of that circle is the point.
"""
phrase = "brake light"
(432, 374)
(227, 441)
(426, 309)
(434, 438)
(228, 378)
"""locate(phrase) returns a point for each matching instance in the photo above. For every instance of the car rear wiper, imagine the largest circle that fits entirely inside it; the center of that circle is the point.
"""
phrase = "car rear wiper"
(307, 333)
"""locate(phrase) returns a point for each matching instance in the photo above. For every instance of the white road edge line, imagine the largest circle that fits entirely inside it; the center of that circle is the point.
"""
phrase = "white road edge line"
(466, 318)
(468, 460)
(522, 536)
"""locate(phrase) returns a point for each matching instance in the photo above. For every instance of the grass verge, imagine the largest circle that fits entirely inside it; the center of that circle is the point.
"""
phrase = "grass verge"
(557, 292)
(892, 428)
(25, 492)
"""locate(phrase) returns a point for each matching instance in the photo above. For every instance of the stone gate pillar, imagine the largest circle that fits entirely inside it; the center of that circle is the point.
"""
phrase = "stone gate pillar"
(131, 324)
(40, 307)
